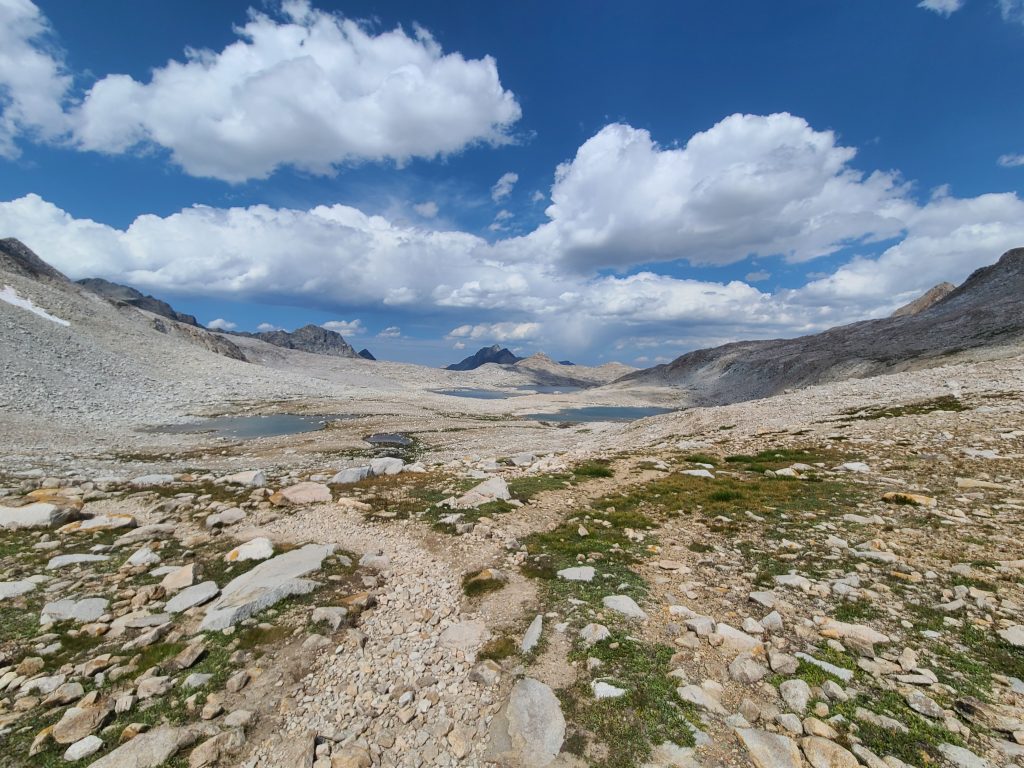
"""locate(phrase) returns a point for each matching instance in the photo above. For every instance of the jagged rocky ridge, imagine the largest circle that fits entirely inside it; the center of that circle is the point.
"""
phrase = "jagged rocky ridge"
(986, 311)
(125, 294)
(309, 338)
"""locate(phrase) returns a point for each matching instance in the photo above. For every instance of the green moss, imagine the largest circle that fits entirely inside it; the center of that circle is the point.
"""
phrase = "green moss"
(945, 403)
(526, 488)
(475, 583)
(498, 648)
(649, 713)
(594, 468)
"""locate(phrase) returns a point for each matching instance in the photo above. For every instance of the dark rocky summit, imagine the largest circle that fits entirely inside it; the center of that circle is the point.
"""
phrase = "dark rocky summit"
(309, 338)
(125, 294)
(986, 311)
(493, 354)
(366, 354)
(16, 258)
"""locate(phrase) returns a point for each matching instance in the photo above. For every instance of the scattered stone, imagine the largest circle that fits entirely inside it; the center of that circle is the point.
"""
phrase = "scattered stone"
(625, 605)
(190, 597)
(530, 728)
(259, 548)
(580, 573)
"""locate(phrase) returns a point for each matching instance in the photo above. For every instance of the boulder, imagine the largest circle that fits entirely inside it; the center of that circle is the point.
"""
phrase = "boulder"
(350, 475)
(179, 578)
(83, 748)
(302, 493)
(10, 589)
(198, 594)
(625, 605)
(38, 515)
(81, 611)
(491, 489)
(386, 466)
(529, 730)
(253, 478)
(227, 517)
(264, 585)
(259, 548)
(99, 523)
(148, 750)
(62, 561)
(822, 753)
(532, 636)
(769, 750)
(579, 573)
(78, 722)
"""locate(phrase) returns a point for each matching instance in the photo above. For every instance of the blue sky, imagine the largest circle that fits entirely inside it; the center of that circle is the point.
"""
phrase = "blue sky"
(676, 175)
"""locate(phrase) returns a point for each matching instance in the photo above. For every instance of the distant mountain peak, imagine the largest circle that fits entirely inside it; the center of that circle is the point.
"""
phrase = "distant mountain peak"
(18, 258)
(314, 339)
(366, 354)
(921, 303)
(492, 354)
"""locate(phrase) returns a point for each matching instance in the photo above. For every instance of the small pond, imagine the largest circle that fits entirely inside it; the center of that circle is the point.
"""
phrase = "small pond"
(599, 413)
(246, 427)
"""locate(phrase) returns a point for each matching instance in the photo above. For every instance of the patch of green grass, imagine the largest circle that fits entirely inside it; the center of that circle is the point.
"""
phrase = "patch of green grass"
(944, 403)
(856, 611)
(649, 713)
(594, 468)
(725, 495)
(526, 488)
(700, 458)
(699, 546)
(919, 746)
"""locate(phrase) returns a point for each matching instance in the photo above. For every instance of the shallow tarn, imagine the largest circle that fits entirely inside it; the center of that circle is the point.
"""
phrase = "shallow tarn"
(262, 425)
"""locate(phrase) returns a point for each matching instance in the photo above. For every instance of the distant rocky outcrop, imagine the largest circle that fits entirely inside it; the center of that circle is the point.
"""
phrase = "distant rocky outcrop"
(922, 302)
(309, 338)
(493, 354)
(566, 362)
(986, 311)
(366, 354)
(125, 294)
(16, 258)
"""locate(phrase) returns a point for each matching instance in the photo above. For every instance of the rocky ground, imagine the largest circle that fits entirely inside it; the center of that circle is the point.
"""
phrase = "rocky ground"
(830, 577)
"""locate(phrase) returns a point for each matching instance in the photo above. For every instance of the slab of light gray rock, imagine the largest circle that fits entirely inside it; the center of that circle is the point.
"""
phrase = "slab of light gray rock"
(594, 633)
(386, 466)
(465, 635)
(698, 473)
(177, 578)
(702, 699)
(306, 493)
(10, 589)
(62, 561)
(197, 680)
(100, 523)
(83, 748)
(227, 517)
(350, 475)
(529, 730)
(579, 573)
(259, 548)
(1013, 635)
(491, 489)
(143, 556)
(147, 750)
(822, 753)
(625, 605)
(147, 533)
(963, 758)
(197, 594)
(38, 515)
(254, 478)
(603, 690)
(846, 675)
(145, 481)
(796, 693)
(267, 583)
(532, 636)
(81, 611)
(769, 750)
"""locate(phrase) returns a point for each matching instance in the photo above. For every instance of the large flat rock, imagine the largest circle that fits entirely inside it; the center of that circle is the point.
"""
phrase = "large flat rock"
(266, 584)
(529, 730)
(81, 611)
(41, 514)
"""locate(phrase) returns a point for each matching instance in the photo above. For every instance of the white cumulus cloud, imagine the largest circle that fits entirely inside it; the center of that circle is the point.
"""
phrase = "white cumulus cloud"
(1011, 161)
(391, 332)
(302, 88)
(267, 327)
(503, 187)
(428, 209)
(942, 7)
(345, 327)
(33, 80)
(505, 331)
(751, 185)
(220, 324)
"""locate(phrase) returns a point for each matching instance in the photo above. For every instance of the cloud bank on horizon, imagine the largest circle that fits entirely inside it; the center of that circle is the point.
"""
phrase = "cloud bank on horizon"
(316, 92)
